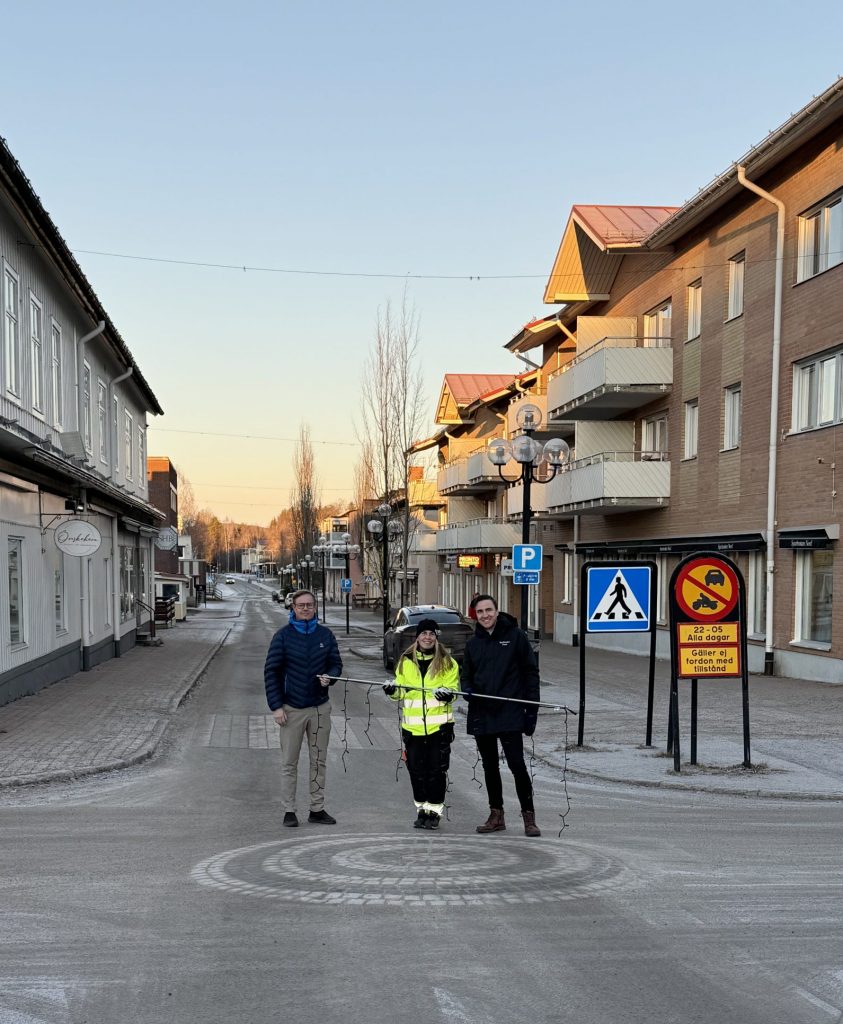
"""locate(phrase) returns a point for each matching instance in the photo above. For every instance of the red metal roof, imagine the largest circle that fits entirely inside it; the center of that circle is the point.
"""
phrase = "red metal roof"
(467, 387)
(622, 225)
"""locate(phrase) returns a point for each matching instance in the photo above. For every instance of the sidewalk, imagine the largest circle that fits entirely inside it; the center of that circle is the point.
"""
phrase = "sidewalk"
(796, 728)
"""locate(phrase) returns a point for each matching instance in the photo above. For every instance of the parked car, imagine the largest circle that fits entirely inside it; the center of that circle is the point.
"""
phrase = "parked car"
(277, 596)
(229, 579)
(288, 600)
(454, 630)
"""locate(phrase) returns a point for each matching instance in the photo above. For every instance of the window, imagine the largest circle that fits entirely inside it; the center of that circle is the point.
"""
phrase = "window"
(108, 590)
(57, 377)
(814, 576)
(15, 553)
(116, 427)
(102, 419)
(141, 460)
(10, 332)
(663, 575)
(757, 594)
(657, 325)
(731, 417)
(736, 273)
(127, 582)
(86, 406)
(694, 309)
(654, 437)
(58, 590)
(174, 499)
(567, 577)
(89, 572)
(36, 353)
(128, 427)
(820, 238)
(817, 399)
(692, 412)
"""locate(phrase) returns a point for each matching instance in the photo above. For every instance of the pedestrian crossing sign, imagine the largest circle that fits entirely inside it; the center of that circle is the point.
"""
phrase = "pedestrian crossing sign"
(618, 599)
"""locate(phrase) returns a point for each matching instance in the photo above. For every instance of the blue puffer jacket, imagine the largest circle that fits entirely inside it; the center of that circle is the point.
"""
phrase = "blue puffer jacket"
(293, 662)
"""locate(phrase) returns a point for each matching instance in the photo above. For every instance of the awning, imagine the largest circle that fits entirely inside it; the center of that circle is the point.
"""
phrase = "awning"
(669, 545)
(808, 538)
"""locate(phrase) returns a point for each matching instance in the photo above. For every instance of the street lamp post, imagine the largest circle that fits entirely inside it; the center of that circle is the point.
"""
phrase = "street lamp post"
(383, 529)
(348, 551)
(530, 454)
(320, 550)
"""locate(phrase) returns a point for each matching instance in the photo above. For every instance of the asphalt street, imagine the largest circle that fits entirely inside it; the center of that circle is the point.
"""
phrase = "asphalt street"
(169, 892)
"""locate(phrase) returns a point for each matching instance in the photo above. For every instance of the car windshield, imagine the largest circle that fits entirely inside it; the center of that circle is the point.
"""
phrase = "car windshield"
(438, 615)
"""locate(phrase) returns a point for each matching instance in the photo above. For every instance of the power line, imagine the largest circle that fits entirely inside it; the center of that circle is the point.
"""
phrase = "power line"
(251, 437)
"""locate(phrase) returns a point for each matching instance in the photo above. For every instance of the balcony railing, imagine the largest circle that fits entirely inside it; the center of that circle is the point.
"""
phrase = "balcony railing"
(611, 378)
(471, 474)
(477, 535)
(608, 482)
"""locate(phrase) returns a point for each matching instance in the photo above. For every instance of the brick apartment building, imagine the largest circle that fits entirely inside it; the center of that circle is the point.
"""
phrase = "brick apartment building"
(695, 367)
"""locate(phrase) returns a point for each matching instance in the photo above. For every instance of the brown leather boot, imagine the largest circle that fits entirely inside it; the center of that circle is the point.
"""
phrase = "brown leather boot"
(494, 823)
(530, 826)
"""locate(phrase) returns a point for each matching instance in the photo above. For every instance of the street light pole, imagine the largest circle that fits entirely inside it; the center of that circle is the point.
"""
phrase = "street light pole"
(526, 451)
(349, 551)
(382, 530)
(321, 549)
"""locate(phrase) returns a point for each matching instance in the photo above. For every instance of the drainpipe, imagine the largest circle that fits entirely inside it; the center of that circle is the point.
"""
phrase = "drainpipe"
(774, 413)
(80, 374)
(115, 427)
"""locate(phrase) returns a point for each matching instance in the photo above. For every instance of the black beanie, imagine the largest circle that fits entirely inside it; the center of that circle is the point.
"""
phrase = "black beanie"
(427, 624)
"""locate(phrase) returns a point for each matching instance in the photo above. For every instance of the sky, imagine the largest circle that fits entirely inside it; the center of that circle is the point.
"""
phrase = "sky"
(328, 156)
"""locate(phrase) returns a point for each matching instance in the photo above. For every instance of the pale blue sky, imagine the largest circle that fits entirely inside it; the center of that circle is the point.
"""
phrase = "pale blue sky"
(371, 138)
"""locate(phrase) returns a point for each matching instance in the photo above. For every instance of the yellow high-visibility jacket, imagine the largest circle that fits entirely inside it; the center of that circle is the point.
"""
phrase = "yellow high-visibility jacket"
(421, 713)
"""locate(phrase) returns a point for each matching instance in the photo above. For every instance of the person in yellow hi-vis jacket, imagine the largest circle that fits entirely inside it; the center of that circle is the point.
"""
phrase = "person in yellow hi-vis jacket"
(426, 681)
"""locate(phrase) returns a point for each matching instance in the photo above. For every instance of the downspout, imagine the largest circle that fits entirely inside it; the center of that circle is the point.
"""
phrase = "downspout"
(80, 374)
(774, 413)
(115, 426)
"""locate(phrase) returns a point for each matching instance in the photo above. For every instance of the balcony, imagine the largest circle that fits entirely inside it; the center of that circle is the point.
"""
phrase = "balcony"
(515, 499)
(477, 535)
(546, 429)
(611, 379)
(471, 474)
(610, 482)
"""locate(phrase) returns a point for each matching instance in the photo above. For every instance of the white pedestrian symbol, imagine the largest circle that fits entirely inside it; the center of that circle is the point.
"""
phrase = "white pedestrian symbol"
(618, 603)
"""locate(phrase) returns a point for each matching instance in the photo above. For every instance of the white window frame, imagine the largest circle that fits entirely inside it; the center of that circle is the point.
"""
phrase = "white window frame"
(141, 461)
(11, 332)
(690, 434)
(59, 596)
(102, 418)
(694, 309)
(56, 372)
(663, 576)
(654, 436)
(656, 322)
(818, 391)
(756, 595)
(87, 427)
(820, 244)
(732, 400)
(18, 640)
(737, 274)
(36, 354)
(803, 598)
(108, 590)
(567, 577)
(128, 442)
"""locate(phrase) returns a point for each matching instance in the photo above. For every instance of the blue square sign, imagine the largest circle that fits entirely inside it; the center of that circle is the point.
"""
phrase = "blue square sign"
(527, 557)
(618, 599)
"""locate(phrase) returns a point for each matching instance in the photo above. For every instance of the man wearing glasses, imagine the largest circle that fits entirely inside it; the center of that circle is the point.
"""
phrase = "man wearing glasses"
(302, 658)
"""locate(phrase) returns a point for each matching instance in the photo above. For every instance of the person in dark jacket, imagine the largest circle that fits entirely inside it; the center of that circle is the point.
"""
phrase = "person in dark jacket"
(499, 661)
(302, 658)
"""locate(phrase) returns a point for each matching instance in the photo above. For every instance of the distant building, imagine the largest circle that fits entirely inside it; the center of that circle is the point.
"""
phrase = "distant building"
(170, 580)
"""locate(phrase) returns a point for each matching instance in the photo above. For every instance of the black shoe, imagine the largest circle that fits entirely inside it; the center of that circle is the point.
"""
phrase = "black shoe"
(321, 818)
(421, 820)
(290, 819)
(433, 820)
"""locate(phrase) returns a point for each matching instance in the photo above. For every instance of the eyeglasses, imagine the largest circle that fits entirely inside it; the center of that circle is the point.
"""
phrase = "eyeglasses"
(304, 607)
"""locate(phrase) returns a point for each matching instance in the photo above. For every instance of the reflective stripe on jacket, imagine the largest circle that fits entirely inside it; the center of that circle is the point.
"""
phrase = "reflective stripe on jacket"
(421, 713)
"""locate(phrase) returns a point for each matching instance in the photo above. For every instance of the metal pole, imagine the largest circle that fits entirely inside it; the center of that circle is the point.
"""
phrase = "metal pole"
(527, 476)
(693, 721)
(324, 613)
(347, 594)
(385, 569)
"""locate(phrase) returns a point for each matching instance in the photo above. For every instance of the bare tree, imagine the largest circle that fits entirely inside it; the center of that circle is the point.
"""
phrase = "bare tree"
(393, 411)
(304, 498)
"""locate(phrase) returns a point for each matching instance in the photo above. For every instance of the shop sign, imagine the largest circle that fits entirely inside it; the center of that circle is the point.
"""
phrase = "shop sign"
(470, 562)
(167, 538)
(78, 538)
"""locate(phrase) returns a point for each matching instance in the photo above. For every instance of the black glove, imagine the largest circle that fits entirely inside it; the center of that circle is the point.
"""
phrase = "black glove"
(530, 719)
(443, 695)
(389, 689)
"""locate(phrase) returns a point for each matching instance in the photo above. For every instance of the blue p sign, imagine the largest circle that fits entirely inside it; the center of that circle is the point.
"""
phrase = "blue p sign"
(527, 556)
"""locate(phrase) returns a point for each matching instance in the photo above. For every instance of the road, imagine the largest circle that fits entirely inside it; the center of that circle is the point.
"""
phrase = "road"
(170, 893)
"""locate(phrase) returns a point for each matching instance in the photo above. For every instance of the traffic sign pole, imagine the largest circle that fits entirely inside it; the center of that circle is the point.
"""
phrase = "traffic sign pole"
(525, 539)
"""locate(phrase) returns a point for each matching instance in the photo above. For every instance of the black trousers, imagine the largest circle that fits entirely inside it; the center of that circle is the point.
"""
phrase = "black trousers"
(513, 751)
(428, 758)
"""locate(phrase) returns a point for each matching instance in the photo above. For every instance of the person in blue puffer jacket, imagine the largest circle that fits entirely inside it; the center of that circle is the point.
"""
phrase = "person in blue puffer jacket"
(302, 662)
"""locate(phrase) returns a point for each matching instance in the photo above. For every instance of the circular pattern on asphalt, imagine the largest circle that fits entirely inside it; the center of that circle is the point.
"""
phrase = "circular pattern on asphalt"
(392, 870)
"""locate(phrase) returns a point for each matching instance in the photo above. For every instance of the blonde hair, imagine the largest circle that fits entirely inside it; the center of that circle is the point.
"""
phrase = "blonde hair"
(442, 659)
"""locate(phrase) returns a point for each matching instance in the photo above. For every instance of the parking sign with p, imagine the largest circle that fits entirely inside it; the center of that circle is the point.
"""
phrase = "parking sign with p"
(527, 556)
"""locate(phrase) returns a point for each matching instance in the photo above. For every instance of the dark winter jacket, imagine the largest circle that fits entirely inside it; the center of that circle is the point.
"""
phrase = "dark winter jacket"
(293, 662)
(500, 663)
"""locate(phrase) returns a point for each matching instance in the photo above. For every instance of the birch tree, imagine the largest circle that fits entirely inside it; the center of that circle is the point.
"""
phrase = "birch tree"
(304, 497)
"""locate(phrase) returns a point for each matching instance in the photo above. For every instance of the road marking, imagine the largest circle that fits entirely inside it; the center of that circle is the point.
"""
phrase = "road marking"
(451, 1009)
(833, 1011)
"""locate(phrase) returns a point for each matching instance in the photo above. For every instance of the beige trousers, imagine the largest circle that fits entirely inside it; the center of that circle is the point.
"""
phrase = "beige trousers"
(316, 724)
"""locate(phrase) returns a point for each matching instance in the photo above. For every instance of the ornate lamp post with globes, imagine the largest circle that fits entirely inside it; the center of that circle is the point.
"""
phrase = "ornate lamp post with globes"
(529, 455)
(383, 530)
(320, 550)
(348, 551)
